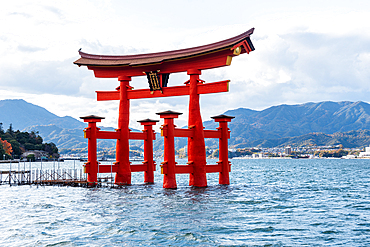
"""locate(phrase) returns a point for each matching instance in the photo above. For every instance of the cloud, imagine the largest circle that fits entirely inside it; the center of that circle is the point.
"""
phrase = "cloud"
(296, 68)
(23, 48)
(41, 77)
(304, 52)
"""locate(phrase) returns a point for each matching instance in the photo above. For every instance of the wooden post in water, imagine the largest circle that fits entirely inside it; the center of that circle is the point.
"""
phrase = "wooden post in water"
(168, 165)
(91, 167)
(148, 149)
(223, 148)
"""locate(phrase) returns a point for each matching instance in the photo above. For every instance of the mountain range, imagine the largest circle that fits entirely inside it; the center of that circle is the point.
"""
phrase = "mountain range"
(22, 114)
(65, 132)
(252, 128)
(322, 123)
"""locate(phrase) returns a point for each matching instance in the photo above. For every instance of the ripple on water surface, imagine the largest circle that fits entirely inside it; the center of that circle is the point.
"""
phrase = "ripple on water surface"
(269, 202)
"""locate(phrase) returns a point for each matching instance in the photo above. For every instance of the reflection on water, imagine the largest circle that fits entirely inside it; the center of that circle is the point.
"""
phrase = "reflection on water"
(269, 202)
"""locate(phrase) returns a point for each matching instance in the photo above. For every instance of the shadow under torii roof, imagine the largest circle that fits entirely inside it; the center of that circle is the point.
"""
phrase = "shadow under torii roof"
(202, 57)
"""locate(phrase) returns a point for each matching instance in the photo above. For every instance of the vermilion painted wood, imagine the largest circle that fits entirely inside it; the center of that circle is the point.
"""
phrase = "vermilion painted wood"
(223, 149)
(192, 60)
(139, 168)
(212, 134)
(245, 45)
(209, 61)
(213, 87)
(213, 168)
(184, 169)
(91, 166)
(116, 135)
(207, 88)
(202, 57)
(123, 176)
(190, 133)
(168, 165)
(179, 132)
(137, 136)
(108, 134)
(108, 168)
(181, 169)
(196, 144)
(114, 168)
(184, 132)
(148, 151)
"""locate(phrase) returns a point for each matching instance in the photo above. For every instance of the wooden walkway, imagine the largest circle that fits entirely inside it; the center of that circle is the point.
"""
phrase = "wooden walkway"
(61, 177)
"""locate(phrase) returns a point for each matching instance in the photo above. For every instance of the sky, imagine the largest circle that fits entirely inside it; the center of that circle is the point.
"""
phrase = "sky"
(306, 51)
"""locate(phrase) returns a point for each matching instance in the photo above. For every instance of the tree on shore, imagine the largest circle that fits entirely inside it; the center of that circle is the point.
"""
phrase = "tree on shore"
(5, 149)
(15, 143)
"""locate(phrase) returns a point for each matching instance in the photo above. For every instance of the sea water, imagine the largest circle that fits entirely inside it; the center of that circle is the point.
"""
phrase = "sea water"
(268, 203)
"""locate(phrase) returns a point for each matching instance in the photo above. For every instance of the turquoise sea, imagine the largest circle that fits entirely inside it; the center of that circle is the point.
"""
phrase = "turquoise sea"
(269, 203)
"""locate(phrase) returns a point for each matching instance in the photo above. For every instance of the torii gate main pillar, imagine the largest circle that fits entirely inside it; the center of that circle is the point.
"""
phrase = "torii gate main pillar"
(196, 144)
(123, 176)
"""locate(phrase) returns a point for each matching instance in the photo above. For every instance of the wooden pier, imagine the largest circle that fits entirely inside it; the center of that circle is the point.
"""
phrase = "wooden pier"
(68, 177)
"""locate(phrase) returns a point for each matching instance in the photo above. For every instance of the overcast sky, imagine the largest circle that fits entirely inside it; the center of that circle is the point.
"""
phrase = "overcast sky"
(306, 51)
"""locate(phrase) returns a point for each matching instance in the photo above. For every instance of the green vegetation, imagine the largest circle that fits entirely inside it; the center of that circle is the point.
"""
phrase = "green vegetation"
(14, 143)
(332, 153)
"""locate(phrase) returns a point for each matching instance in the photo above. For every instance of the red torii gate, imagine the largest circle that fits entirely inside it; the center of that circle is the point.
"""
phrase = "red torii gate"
(157, 67)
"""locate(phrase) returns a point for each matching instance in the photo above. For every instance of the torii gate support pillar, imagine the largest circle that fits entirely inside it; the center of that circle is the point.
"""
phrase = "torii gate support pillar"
(91, 166)
(148, 149)
(169, 164)
(223, 148)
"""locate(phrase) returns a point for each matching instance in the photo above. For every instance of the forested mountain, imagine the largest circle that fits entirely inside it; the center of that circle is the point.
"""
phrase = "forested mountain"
(313, 123)
(65, 132)
(350, 139)
(295, 120)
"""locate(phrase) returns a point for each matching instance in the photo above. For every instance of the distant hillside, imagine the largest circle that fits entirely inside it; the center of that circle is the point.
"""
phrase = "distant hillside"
(275, 126)
(350, 139)
(65, 132)
(67, 138)
(22, 114)
(295, 120)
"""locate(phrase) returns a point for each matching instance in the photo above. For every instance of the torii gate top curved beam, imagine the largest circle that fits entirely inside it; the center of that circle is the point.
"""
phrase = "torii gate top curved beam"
(202, 57)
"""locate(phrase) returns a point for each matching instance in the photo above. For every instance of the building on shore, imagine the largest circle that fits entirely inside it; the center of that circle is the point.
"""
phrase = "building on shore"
(39, 154)
(365, 154)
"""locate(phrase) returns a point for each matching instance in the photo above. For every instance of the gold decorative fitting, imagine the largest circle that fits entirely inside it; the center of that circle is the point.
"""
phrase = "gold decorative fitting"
(237, 51)
(228, 60)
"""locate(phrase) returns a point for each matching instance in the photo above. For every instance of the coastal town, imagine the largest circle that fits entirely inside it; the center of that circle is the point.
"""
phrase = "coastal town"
(307, 152)
(310, 152)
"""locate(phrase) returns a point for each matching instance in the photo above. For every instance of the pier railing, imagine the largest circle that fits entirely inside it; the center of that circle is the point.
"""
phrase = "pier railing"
(38, 176)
